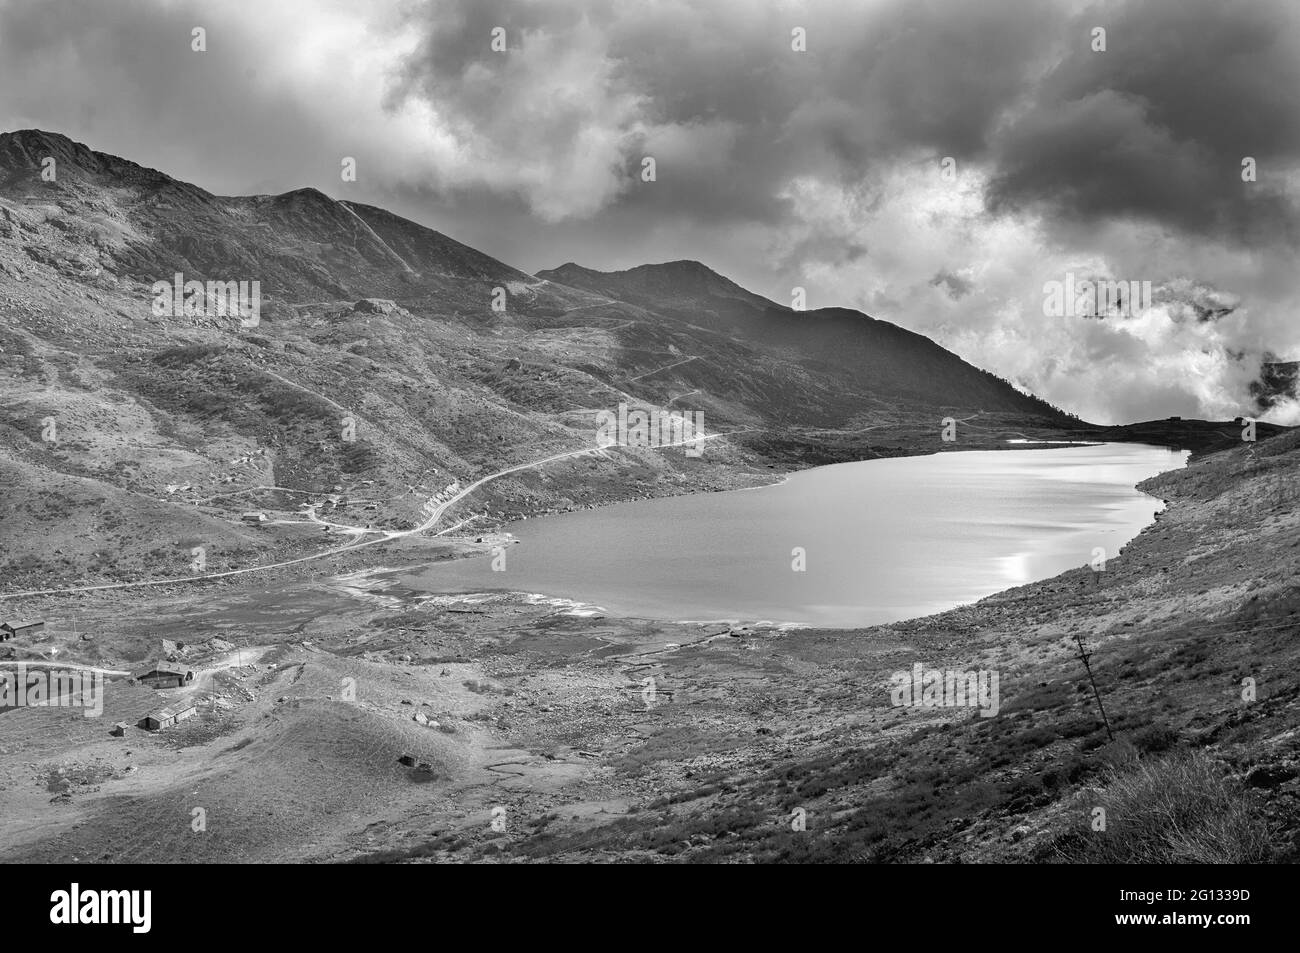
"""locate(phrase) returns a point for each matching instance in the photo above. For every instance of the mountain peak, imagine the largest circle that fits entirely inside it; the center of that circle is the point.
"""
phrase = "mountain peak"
(569, 273)
(304, 195)
(39, 138)
(34, 145)
(683, 279)
(683, 266)
(23, 153)
(301, 242)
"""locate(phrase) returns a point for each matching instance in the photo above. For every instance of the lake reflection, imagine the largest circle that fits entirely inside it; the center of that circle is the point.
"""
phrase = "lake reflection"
(884, 539)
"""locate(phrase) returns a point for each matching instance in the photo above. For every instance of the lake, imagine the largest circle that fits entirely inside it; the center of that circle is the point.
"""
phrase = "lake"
(882, 540)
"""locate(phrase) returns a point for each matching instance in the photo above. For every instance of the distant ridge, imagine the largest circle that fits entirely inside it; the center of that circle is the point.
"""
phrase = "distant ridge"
(657, 282)
(300, 244)
(893, 359)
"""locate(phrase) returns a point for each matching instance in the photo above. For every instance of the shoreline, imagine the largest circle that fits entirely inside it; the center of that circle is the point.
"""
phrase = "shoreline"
(453, 548)
(523, 593)
(243, 576)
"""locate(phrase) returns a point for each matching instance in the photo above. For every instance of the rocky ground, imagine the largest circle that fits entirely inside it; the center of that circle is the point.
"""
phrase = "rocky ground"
(383, 724)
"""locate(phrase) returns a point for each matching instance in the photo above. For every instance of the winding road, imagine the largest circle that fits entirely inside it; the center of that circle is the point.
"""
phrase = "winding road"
(386, 536)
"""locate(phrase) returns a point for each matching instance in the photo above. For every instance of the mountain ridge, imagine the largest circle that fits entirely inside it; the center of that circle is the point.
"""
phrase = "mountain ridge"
(170, 425)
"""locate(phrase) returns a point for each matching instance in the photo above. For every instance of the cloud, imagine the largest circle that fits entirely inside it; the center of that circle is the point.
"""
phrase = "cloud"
(777, 167)
(1156, 127)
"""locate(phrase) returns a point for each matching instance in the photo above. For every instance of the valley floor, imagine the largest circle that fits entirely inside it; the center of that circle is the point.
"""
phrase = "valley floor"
(361, 721)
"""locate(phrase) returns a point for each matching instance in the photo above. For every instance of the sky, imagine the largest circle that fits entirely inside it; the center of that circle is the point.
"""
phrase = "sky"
(934, 163)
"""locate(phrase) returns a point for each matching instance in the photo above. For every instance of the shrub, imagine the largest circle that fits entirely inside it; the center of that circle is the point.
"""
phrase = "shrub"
(1155, 738)
(1179, 810)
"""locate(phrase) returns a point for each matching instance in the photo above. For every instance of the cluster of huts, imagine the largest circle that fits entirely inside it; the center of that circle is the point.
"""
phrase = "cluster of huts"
(13, 629)
(161, 676)
(170, 673)
(168, 715)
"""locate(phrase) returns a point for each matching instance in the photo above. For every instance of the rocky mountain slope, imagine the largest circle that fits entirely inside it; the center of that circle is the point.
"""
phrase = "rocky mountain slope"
(379, 371)
(379, 375)
(840, 341)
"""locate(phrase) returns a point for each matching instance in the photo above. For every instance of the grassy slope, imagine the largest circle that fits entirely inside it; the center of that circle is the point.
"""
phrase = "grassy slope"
(544, 716)
(762, 725)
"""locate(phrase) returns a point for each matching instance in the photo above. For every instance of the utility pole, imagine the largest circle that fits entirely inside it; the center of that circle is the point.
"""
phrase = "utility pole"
(1083, 657)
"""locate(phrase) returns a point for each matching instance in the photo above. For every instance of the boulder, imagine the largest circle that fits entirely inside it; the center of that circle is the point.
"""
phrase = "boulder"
(375, 306)
(1270, 775)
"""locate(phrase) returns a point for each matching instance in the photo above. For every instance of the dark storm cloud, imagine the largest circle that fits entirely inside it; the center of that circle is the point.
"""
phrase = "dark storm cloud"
(1157, 126)
(1154, 128)
(877, 81)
